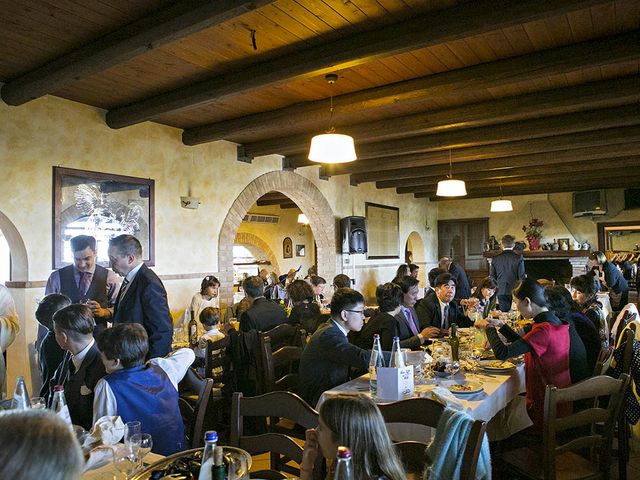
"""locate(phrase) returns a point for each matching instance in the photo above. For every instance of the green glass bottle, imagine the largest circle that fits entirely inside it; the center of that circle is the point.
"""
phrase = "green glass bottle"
(454, 342)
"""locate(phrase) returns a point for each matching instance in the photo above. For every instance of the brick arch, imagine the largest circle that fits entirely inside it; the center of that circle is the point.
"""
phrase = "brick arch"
(245, 238)
(310, 201)
(19, 259)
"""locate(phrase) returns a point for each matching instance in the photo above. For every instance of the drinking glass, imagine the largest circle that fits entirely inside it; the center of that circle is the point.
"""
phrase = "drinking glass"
(126, 458)
(131, 429)
(146, 444)
(38, 403)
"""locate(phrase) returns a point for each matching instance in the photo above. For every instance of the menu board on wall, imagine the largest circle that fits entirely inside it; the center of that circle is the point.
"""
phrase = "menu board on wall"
(383, 226)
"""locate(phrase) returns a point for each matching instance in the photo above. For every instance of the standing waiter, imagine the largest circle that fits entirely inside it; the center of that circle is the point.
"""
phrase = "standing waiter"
(85, 282)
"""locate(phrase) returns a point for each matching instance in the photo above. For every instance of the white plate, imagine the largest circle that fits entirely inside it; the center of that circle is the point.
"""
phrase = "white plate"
(487, 365)
(474, 387)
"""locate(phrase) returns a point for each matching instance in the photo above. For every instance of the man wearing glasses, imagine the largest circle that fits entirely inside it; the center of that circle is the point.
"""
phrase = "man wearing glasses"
(328, 356)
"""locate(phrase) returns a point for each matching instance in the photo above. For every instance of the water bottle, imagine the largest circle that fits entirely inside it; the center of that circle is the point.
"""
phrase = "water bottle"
(219, 470)
(21, 395)
(377, 360)
(206, 468)
(59, 404)
(343, 464)
(397, 358)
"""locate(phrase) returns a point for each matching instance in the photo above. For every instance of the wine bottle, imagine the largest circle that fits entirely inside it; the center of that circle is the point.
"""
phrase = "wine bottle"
(207, 462)
(454, 342)
(193, 330)
(397, 357)
(21, 395)
(59, 404)
(377, 360)
(219, 470)
(343, 464)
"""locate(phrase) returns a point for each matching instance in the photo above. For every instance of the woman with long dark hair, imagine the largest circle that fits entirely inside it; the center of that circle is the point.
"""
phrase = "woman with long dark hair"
(487, 294)
(584, 292)
(545, 347)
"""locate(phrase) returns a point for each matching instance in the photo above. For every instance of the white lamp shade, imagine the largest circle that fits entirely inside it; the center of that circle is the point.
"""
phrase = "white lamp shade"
(332, 148)
(501, 206)
(451, 188)
(302, 218)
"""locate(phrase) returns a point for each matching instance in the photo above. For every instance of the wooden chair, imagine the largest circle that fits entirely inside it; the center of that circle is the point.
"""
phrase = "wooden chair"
(623, 431)
(194, 396)
(282, 448)
(283, 362)
(424, 411)
(413, 456)
(603, 361)
(217, 363)
(285, 334)
(532, 463)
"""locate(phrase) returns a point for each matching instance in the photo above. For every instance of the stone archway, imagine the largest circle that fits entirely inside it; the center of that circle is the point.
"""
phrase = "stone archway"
(415, 244)
(19, 260)
(245, 238)
(310, 201)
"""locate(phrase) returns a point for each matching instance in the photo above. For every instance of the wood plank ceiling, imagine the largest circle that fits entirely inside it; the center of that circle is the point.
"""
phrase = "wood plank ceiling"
(529, 95)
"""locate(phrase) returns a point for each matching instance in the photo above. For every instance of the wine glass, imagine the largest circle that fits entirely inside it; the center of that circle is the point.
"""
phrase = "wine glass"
(126, 458)
(131, 429)
(146, 444)
(38, 403)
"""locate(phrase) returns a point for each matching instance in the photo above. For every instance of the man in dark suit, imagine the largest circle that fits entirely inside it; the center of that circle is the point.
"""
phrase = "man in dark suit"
(50, 354)
(411, 332)
(142, 298)
(441, 310)
(262, 315)
(432, 275)
(506, 269)
(81, 367)
(328, 357)
(459, 275)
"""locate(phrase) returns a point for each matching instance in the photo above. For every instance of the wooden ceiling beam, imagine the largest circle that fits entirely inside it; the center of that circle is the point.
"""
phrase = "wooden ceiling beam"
(523, 130)
(148, 33)
(498, 164)
(605, 93)
(567, 186)
(596, 138)
(299, 117)
(435, 27)
(516, 170)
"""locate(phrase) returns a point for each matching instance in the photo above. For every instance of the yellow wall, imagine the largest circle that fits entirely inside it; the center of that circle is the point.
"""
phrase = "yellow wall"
(52, 131)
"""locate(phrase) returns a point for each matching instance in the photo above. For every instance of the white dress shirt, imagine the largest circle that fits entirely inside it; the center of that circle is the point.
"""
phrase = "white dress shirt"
(79, 358)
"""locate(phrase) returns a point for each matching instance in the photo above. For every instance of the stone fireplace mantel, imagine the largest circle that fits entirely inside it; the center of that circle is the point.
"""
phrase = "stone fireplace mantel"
(578, 259)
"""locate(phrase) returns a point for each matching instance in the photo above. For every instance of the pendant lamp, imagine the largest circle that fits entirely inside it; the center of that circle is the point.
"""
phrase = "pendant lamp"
(501, 205)
(451, 187)
(332, 147)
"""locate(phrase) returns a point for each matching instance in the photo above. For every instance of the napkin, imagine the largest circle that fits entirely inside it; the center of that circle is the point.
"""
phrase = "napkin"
(108, 430)
(447, 398)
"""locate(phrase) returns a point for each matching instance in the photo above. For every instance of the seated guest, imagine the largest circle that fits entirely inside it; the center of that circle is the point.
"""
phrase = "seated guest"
(341, 281)
(352, 420)
(584, 292)
(609, 276)
(560, 302)
(431, 276)
(206, 297)
(414, 270)
(305, 312)
(328, 356)
(401, 272)
(210, 321)
(317, 284)
(81, 367)
(411, 332)
(272, 289)
(487, 295)
(36, 444)
(459, 275)
(545, 348)
(50, 354)
(441, 310)
(136, 391)
(262, 315)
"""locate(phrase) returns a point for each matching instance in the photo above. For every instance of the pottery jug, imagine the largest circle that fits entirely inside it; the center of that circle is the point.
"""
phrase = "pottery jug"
(564, 246)
(586, 246)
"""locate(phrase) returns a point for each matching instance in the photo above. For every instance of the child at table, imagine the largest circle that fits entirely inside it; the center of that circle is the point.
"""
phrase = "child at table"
(210, 320)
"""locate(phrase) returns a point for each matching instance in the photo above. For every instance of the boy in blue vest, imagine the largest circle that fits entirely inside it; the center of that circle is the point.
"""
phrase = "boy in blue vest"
(147, 392)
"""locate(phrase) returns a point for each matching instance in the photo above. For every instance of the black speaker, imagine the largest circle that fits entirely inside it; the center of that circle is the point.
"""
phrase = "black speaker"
(354, 234)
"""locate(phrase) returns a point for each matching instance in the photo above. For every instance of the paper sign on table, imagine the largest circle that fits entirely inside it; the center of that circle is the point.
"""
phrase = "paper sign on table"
(395, 383)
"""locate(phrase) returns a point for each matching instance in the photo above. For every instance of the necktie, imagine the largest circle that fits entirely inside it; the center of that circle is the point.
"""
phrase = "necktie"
(85, 281)
(411, 322)
(445, 319)
(123, 289)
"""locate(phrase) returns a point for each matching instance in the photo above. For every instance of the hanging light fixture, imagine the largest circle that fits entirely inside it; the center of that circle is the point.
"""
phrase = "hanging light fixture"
(302, 219)
(451, 187)
(332, 147)
(501, 205)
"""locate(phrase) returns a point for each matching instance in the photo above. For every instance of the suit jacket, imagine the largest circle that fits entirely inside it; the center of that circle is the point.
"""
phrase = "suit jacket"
(50, 357)
(430, 315)
(326, 361)
(506, 269)
(263, 315)
(387, 326)
(145, 302)
(403, 331)
(79, 386)
(463, 288)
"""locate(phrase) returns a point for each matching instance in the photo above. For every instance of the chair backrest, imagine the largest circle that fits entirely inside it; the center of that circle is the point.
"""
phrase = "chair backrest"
(284, 334)
(217, 362)
(600, 439)
(628, 338)
(193, 387)
(425, 411)
(603, 361)
(274, 404)
(413, 456)
(278, 370)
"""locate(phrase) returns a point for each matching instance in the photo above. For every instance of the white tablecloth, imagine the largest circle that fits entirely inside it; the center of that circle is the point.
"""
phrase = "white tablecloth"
(499, 392)
(109, 472)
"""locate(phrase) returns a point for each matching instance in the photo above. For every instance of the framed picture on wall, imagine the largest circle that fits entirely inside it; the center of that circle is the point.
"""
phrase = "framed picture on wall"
(300, 250)
(383, 231)
(102, 205)
(287, 248)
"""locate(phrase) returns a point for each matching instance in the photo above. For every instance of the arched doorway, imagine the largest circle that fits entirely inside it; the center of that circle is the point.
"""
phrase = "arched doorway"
(310, 201)
(415, 253)
(19, 262)
(249, 239)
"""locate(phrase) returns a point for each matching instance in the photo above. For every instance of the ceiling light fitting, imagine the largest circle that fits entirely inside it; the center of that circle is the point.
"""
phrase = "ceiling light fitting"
(332, 147)
(501, 205)
(451, 187)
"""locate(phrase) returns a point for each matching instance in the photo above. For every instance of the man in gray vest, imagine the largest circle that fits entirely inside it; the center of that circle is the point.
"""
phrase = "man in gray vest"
(85, 282)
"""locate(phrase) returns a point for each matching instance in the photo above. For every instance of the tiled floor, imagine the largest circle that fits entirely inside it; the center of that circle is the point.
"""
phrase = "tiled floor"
(633, 468)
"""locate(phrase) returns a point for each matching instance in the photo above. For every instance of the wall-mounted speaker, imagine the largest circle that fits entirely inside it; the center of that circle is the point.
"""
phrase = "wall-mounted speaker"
(354, 234)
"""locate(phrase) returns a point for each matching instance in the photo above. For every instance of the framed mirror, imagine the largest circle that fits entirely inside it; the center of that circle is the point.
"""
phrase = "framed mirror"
(619, 236)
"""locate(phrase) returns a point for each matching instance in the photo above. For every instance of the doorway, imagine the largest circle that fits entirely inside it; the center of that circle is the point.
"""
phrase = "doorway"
(462, 241)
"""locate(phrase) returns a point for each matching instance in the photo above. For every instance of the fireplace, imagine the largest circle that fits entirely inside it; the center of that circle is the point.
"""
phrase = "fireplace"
(559, 266)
